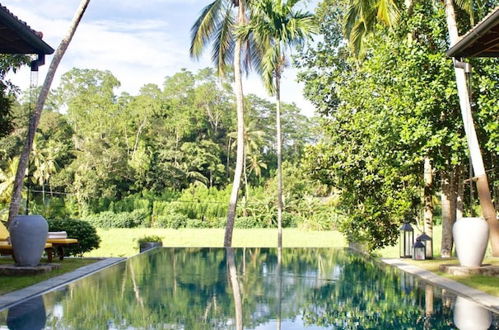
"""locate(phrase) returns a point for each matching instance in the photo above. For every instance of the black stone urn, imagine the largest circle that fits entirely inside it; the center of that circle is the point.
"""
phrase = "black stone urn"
(28, 235)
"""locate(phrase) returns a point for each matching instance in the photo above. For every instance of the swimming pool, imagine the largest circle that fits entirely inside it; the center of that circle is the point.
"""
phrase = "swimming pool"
(250, 288)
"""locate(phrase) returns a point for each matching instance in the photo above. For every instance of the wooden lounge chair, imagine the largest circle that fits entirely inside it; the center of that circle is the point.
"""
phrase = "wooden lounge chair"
(58, 243)
(53, 245)
(6, 247)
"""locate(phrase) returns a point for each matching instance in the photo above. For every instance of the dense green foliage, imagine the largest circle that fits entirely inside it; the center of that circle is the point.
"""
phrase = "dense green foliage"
(163, 158)
(8, 63)
(84, 232)
(384, 114)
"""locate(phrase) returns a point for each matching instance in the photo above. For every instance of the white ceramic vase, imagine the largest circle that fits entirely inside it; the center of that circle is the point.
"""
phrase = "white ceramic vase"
(470, 236)
(471, 316)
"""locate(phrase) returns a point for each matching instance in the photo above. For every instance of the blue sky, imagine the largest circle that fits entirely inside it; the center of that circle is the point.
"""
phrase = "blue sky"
(138, 41)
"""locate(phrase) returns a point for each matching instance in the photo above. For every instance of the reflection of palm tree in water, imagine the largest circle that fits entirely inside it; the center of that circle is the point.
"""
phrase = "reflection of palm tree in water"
(236, 289)
(279, 290)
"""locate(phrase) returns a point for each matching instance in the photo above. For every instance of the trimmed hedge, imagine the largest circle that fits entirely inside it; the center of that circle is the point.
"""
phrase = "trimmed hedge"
(110, 219)
(81, 230)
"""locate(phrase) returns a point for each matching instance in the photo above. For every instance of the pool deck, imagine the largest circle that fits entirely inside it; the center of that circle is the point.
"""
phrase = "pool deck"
(12, 298)
(489, 301)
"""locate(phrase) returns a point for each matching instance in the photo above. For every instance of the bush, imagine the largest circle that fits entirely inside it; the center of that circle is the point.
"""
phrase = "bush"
(172, 220)
(247, 222)
(150, 238)
(81, 230)
(110, 219)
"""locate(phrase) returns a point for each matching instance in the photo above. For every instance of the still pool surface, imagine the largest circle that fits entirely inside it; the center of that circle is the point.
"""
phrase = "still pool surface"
(253, 288)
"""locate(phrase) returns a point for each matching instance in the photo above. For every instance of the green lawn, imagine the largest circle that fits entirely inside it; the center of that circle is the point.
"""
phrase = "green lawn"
(123, 242)
(11, 283)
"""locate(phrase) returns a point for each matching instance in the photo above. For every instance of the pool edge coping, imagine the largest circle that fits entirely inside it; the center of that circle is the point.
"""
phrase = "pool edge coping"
(489, 301)
(18, 296)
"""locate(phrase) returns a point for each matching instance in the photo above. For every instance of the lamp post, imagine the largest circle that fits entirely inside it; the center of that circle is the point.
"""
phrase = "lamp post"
(406, 240)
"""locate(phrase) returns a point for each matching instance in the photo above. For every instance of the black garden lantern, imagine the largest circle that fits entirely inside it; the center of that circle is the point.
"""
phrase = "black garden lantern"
(428, 242)
(406, 240)
(419, 250)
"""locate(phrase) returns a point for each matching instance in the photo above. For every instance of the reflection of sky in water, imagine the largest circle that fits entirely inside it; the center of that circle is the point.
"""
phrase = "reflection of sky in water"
(192, 289)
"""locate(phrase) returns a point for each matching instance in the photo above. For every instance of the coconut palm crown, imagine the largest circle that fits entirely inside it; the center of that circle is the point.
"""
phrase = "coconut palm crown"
(276, 26)
(216, 26)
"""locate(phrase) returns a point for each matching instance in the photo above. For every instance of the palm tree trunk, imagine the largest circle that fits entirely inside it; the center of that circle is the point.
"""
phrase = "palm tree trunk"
(482, 184)
(279, 160)
(238, 87)
(35, 118)
(236, 289)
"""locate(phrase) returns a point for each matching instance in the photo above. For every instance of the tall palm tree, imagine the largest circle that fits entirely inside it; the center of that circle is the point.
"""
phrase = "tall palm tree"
(252, 141)
(35, 118)
(366, 11)
(276, 27)
(216, 26)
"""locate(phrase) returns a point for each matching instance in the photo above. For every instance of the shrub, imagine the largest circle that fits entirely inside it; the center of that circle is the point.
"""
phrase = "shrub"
(110, 219)
(247, 222)
(81, 230)
(172, 220)
(150, 238)
(198, 202)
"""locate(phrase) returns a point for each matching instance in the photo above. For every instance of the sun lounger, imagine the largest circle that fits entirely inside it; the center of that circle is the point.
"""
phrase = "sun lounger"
(56, 242)
(59, 240)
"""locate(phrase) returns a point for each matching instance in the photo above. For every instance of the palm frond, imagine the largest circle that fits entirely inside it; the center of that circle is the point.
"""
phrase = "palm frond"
(203, 28)
(467, 6)
(224, 43)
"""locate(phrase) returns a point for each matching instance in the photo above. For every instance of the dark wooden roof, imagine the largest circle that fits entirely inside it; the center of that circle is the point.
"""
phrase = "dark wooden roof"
(16, 37)
(480, 41)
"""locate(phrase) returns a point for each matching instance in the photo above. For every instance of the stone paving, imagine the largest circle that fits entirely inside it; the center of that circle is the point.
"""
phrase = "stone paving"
(9, 299)
(489, 301)
(12, 269)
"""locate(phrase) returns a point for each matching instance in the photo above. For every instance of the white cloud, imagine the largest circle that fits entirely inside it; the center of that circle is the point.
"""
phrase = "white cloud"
(137, 49)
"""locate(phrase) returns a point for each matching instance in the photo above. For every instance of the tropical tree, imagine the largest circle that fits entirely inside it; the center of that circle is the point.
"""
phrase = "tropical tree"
(8, 62)
(35, 118)
(277, 26)
(216, 25)
(7, 180)
(361, 21)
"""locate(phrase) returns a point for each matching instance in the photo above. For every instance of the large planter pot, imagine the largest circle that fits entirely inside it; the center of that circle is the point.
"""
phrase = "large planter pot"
(471, 316)
(471, 237)
(28, 235)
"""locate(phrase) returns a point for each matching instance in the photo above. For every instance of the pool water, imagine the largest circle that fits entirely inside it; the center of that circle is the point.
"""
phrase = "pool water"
(250, 288)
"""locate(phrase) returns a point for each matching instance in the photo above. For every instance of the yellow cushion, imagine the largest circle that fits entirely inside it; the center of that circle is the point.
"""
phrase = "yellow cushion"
(62, 240)
(4, 245)
(4, 233)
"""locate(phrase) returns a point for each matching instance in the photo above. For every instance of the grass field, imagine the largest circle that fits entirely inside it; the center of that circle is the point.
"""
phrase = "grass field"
(123, 242)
